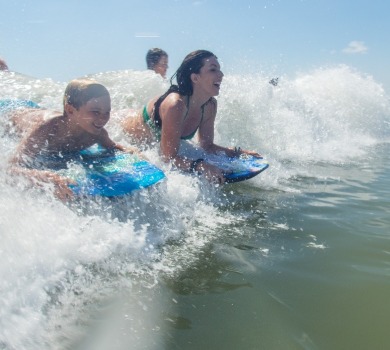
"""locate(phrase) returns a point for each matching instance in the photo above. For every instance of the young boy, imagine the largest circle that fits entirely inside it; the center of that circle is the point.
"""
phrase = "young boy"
(87, 107)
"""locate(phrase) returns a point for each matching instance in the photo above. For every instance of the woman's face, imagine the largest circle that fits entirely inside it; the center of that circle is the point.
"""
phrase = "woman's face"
(210, 76)
(162, 66)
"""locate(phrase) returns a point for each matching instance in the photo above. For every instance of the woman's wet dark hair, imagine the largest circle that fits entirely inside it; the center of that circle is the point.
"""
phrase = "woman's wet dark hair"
(192, 63)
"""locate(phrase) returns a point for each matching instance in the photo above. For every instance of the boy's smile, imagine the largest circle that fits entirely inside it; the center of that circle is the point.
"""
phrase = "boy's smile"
(94, 115)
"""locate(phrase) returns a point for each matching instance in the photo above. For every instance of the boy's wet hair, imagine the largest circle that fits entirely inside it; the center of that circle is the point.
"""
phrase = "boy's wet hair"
(80, 91)
(153, 57)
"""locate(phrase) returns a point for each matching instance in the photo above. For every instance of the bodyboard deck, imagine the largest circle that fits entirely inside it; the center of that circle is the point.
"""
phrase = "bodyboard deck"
(238, 169)
(99, 172)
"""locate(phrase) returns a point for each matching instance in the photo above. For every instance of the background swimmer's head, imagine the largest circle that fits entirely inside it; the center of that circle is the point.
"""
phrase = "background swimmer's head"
(3, 64)
(157, 60)
(153, 56)
(192, 63)
(80, 91)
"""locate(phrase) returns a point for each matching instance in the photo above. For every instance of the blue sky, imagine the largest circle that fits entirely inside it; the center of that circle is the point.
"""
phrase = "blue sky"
(64, 39)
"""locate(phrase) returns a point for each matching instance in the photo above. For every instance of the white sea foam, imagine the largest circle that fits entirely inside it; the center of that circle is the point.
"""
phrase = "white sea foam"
(61, 265)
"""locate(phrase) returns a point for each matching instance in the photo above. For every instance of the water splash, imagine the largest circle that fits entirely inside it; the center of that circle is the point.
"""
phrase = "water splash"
(63, 264)
(328, 115)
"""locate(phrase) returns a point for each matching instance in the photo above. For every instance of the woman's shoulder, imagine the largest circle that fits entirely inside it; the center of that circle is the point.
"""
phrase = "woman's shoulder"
(174, 101)
(175, 98)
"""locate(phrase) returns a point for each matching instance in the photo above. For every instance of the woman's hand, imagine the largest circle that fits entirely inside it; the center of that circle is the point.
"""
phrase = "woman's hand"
(252, 153)
(237, 151)
(211, 172)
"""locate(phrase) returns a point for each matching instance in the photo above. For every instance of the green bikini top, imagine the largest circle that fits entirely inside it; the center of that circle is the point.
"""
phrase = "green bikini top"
(157, 131)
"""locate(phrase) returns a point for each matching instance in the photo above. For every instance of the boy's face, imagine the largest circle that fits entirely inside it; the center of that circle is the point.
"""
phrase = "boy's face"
(162, 66)
(94, 115)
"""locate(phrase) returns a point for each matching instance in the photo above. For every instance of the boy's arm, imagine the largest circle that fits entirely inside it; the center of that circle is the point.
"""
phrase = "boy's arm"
(37, 177)
(26, 152)
(106, 142)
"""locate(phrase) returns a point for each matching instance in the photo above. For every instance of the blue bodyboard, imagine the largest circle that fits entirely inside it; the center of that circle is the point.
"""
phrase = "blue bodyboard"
(99, 172)
(238, 168)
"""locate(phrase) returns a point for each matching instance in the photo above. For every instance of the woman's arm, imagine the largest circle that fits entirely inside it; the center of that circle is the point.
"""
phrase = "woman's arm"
(206, 129)
(206, 134)
(172, 112)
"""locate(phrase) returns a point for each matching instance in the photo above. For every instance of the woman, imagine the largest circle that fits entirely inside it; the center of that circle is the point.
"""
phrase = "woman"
(186, 108)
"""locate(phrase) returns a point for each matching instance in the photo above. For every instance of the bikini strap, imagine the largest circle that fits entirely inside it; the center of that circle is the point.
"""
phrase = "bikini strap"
(188, 107)
(156, 117)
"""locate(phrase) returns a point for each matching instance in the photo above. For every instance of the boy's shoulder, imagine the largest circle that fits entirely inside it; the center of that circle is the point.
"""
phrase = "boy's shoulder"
(49, 128)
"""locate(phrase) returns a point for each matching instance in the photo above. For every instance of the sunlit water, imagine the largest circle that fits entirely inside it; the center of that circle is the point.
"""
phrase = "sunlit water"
(296, 258)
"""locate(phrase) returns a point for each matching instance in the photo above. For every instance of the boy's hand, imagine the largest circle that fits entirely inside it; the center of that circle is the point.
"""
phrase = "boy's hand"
(61, 187)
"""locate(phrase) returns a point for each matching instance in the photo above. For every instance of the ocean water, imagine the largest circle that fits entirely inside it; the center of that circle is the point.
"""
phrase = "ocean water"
(295, 258)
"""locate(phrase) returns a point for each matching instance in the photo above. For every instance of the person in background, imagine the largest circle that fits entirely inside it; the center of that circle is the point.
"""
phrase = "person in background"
(3, 64)
(274, 81)
(157, 60)
(185, 109)
(87, 108)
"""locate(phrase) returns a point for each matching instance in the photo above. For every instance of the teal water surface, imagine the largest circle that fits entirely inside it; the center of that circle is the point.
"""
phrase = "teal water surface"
(298, 296)
(295, 258)
(308, 270)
